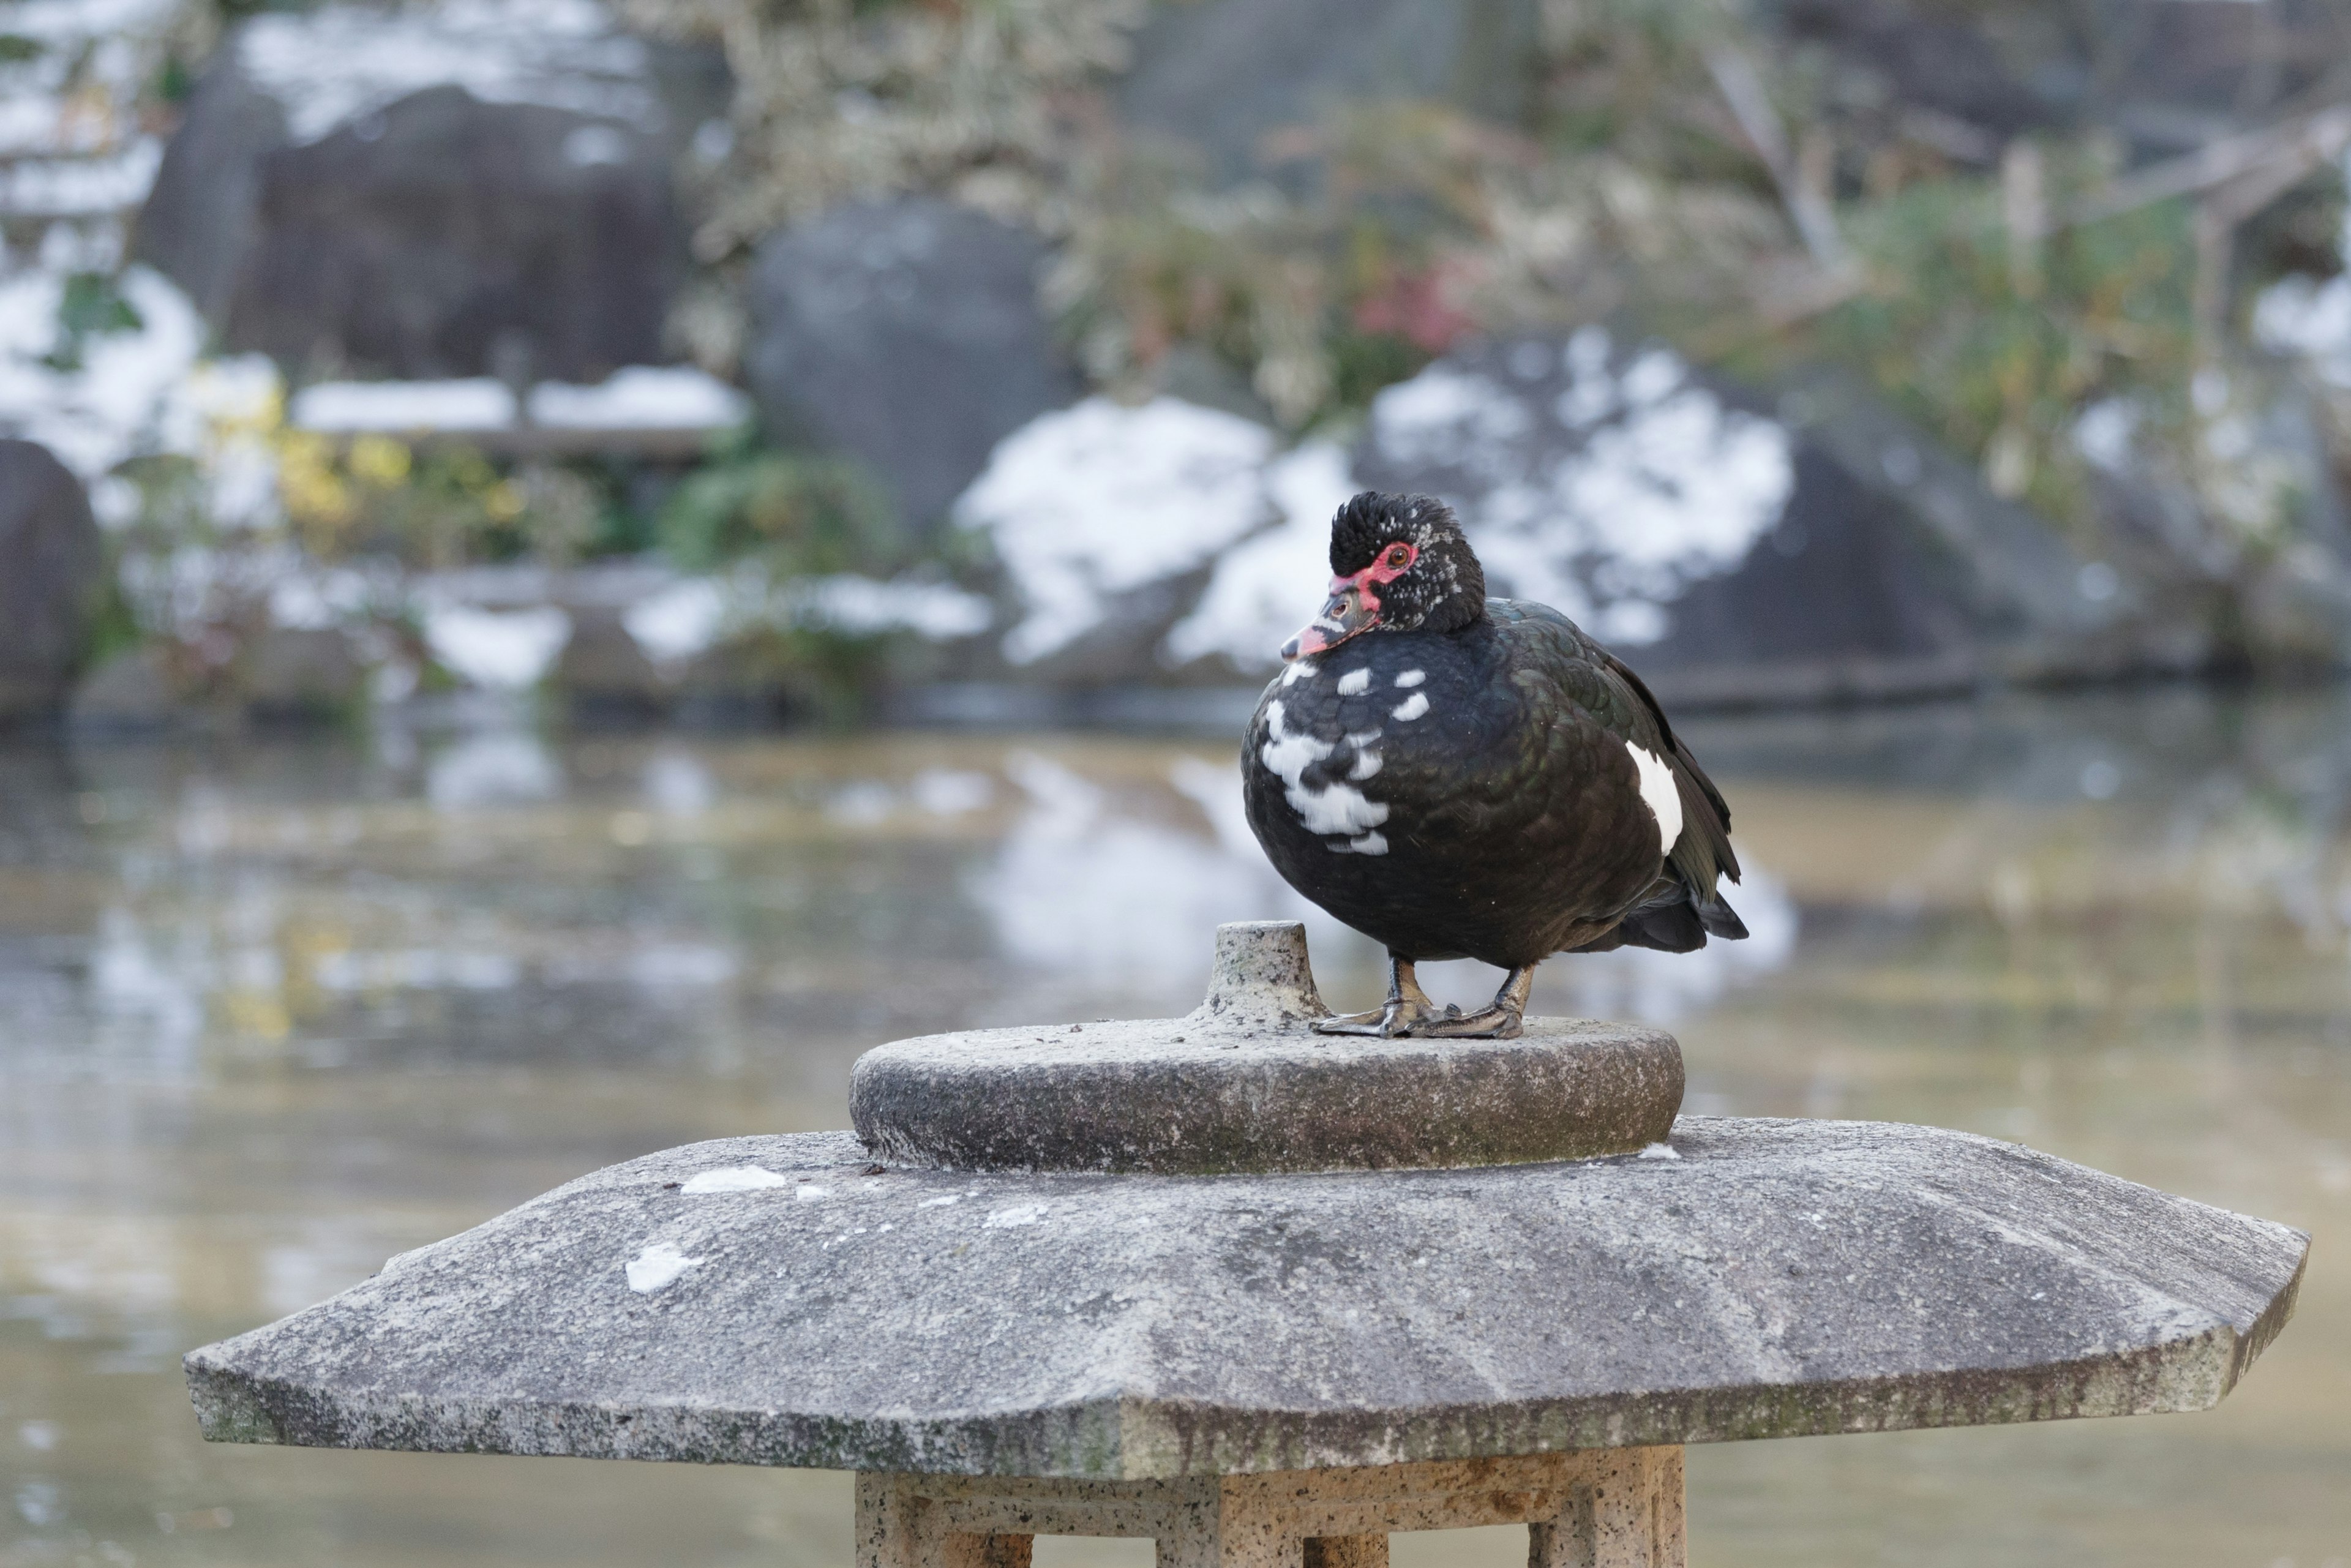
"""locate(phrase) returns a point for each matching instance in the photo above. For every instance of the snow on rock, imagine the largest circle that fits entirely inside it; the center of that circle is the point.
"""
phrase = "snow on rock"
(641, 397)
(1098, 499)
(1268, 585)
(862, 606)
(675, 624)
(1601, 480)
(336, 64)
(80, 187)
(2305, 318)
(352, 407)
(501, 650)
(132, 392)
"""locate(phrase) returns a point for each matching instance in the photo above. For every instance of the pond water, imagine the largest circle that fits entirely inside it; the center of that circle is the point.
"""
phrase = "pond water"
(272, 1012)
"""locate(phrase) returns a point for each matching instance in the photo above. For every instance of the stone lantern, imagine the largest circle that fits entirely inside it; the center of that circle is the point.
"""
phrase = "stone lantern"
(1266, 1296)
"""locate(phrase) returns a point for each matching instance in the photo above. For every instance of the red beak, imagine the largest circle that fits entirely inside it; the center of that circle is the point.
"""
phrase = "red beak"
(1353, 610)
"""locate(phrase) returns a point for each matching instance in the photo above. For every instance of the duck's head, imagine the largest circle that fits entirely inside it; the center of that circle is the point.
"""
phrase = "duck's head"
(1398, 563)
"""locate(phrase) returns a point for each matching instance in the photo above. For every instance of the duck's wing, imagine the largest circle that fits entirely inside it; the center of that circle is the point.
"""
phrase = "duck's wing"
(1686, 906)
(1703, 851)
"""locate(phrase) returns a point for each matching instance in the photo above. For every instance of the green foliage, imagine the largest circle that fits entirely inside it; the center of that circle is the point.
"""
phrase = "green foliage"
(796, 514)
(1999, 364)
(91, 306)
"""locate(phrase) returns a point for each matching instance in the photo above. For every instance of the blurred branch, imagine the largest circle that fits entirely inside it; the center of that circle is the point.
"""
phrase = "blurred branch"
(1802, 180)
(2300, 144)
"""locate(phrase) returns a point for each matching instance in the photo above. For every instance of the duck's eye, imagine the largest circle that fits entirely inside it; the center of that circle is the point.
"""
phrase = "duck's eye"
(1398, 555)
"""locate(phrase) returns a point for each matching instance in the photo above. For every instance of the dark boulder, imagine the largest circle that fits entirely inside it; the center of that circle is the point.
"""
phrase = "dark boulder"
(434, 236)
(1219, 74)
(1735, 550)
(906, 334)
(444, 236)
(52, 572)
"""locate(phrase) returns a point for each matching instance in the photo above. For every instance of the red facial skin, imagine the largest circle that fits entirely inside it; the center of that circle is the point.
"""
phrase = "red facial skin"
(1355, 607)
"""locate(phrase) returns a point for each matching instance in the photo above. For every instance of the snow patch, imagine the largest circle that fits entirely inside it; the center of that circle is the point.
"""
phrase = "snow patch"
(1658, 1152)
(337, 408)
(331, 65)
(1097, 500)
(1019, 1214)
(658, 1267)
(1269, 584)
(641, 397)
(133, 392)
(1606, 498)
(733, 1179)
(675, 624)
(862, 606)
(500, 650)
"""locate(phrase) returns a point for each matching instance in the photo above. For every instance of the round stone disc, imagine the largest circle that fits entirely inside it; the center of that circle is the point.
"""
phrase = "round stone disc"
(1244, 1085)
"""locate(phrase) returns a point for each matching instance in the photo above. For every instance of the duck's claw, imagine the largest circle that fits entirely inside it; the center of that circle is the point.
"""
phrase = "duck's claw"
(1399, 1019)
(1502, 1018)
(1495, 1022)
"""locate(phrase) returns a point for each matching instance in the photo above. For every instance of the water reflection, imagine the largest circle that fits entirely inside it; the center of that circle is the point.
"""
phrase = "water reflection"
(269, 1013)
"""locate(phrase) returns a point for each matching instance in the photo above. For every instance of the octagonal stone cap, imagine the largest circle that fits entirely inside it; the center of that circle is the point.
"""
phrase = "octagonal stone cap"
(1243, 1084)
(763, 1300)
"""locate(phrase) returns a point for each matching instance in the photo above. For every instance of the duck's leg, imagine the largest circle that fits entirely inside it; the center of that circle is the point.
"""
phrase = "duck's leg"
(1406, 1011)
(1500, 1020)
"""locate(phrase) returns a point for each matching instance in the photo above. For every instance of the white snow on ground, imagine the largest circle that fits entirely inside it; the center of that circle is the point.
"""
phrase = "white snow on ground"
(1635, 484)
(1098, 499)
(692, 615)
(134, 393)
(80, 187)
(331, 66)
(675, 624)
(502, 650)
(2306, 317)
(1269, 585)
(393, 407)
(863, 605)
(641, 397)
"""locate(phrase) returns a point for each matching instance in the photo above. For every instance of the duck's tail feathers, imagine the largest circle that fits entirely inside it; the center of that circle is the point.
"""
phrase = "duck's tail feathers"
(1679, 922)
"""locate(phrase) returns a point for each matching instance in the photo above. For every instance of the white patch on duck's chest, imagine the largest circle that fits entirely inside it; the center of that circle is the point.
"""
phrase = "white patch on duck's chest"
(1659, 793)
(1354, 682)
(1337, 810)
(1411, 708)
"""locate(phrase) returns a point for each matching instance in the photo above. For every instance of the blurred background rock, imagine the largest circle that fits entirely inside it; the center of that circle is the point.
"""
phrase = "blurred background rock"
(831, 358)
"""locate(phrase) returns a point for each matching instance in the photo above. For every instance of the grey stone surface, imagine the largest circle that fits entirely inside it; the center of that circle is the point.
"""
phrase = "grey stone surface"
(52, 567)
(1220, 74)
(1242, 1084)
(1777, 1278)
(289, 673)
(133, 691)
(906, 334)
